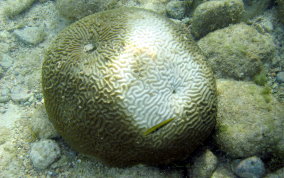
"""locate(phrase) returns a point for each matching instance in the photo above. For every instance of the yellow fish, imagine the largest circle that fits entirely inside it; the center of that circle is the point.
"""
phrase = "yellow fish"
(156, 127)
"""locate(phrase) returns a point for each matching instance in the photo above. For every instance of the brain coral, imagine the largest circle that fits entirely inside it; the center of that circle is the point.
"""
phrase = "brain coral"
(129, 86)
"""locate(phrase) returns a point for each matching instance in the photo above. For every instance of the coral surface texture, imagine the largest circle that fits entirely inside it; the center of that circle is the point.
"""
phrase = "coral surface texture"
(129, 86)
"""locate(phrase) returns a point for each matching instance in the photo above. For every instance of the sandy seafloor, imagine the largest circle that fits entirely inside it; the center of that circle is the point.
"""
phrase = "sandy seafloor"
(21, 79)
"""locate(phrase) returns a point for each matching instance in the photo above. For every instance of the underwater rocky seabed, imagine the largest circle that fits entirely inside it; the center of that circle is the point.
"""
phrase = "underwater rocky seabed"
(249, 137)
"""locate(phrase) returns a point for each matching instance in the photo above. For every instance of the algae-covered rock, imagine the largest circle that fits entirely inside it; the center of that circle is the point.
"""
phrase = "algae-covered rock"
(237, 51)
(129, 86)
(176, 9)
(11, 8)
(213, 15)
(204, 165)
(280, 9)
(255, 7)
(74, 9)
(248, 124)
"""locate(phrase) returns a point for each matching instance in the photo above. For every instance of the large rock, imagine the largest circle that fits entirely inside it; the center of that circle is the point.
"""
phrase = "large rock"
(237, 51)
(250, 120)
(213, 15)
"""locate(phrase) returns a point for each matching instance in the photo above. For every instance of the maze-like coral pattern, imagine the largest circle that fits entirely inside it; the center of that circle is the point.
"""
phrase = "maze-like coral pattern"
(111, 76)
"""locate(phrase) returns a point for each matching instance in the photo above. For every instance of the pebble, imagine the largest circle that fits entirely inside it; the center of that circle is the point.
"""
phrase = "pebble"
(4, 95)
(204, 165)
(44, 153)
(30, 35)
(176, 9)
(251, 167)
(20, 94)
(223, 172)
(280, 77)
(6, 61)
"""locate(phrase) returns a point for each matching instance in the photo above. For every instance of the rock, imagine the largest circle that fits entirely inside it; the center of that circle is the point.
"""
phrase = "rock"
(11, 8)
(4, 94)
(223, 172)
(1, 72)
(263, 23)
(6, 61)
(176, 9)
(250, 120)
(280, 9)
(254, 8)
(252, 167)
(43, 153)
(280, 77)
(20, 94)
(41, 126)
(74, 9)
(277, 174)
(30, 35)
(213, 15)
(4, 47)
(203, 165)
(237, 51)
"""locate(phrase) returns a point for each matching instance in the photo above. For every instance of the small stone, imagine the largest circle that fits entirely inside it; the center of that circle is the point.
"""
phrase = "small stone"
(204, 165)
(223, 172)
(20, 94)
(252, 167)
(4, 95)
(44, 153)
(41, 124)
(176, 9)
(6, 61)
(280, 77)
(30, 35)
(4, 47)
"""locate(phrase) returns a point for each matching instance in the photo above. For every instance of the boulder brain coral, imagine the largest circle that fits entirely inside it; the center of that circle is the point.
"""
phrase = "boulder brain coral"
(129, 86)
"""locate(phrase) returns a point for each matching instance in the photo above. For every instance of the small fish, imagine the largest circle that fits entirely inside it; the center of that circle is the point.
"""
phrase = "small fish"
(156, 127)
